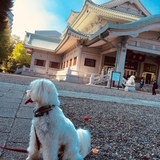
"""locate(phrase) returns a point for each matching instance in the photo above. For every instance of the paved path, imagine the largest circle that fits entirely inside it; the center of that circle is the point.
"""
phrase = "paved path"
(106, 98)
(15, 117)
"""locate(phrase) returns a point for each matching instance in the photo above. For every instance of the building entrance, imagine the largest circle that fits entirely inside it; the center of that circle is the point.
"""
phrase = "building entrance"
(148, 78)
(129, 72)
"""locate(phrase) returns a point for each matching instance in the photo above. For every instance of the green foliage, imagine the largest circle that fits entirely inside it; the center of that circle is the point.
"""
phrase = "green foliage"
(12, 52)
(19, 56)
(16, 40)
(6, 43)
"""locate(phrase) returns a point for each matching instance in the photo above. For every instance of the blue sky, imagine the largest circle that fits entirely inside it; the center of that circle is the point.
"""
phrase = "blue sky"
(31, 15)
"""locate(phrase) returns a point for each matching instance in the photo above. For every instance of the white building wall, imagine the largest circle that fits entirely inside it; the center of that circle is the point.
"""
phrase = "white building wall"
(92, 70)
(81, 53)
(46, 57)
(90, 53)
(70, 55)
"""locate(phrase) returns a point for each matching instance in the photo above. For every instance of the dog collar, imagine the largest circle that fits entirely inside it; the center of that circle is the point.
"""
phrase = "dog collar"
(42, 110)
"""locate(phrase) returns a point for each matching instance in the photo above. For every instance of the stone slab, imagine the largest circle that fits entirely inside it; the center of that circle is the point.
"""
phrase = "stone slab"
(7, 112)
(25, 112)
(6, 124)
(3, 140)
(20, 131)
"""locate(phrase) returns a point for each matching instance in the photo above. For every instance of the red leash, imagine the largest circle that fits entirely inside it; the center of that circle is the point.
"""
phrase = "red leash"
(14, 149)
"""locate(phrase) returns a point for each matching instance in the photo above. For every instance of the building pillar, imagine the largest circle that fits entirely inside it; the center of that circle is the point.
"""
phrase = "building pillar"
(120, 61)
(79, 52)
(140, 69)
(158, 75)
(47, 65)
(32, 61)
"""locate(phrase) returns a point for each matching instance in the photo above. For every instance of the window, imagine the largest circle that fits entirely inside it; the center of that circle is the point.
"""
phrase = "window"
(70, 63)
(67, 64)
(109, 60)
(75, 61)
(54, 65)
(129, 64)
(39, 62)
(150, 68)
(90, 62)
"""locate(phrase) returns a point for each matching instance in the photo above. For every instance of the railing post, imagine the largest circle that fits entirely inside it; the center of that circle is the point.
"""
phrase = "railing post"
(91, 81)
(109, 75)
(69, 71)
(101, 77)
(24, 68)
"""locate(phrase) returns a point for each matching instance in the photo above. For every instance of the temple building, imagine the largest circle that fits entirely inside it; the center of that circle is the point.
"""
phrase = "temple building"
(120, 35)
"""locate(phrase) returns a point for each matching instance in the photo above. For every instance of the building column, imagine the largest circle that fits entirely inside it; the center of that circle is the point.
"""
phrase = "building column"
(79, 52)
(140, 69)
(120, 61)
(32, 61)
(158, 75)
(47, 65)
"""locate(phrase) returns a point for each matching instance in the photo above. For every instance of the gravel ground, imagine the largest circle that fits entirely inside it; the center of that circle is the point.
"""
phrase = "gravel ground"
(119, 131)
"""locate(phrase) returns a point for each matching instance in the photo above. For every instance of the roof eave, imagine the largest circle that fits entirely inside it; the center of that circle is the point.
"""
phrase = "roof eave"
(70, 33)
(38, 48)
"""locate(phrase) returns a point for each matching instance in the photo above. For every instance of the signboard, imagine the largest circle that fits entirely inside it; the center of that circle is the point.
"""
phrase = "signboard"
(116, 76)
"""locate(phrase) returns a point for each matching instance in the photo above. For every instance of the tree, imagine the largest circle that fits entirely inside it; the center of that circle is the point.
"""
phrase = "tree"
(19, 55)
(5, 32)
(16, 39)
(12, 52)
(5, 7)
(6, 43)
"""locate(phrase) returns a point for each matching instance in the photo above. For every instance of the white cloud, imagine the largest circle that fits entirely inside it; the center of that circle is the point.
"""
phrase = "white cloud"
(32, 15)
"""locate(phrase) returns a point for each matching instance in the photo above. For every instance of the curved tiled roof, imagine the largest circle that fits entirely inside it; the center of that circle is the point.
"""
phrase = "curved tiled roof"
(70, 37)
(113, 11)
(114, 3)
(40, 41)
(128, 27)
(137, 24)
(75, 33)
(73, 15)
(101, 10)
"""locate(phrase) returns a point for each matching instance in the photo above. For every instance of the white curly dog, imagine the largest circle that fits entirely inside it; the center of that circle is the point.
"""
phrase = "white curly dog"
(52, 134)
